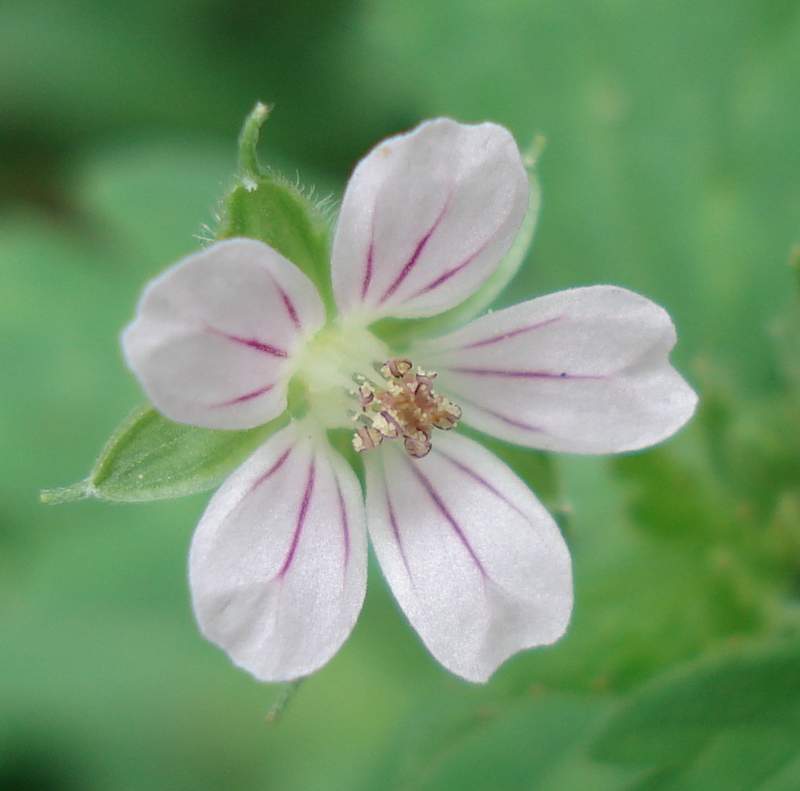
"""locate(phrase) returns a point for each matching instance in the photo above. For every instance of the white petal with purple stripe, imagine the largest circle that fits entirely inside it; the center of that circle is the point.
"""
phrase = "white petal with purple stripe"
(214, 336)
(475, 561)
(584, 371)
(278, 562)
(426, 218)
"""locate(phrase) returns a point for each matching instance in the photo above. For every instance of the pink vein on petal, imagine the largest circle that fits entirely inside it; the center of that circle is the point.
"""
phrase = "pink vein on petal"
(506, 373)
(481, 480)
(253, 343)
(281, 460)
(445, 512)
(513, 421)
(411, 263)
(244, 397)
(288, 303)
(344, 521)
(367, 279)
(511, 334)
(301, 520)
(445, 276)
(499, 415)
(290, 308)
(395, 526)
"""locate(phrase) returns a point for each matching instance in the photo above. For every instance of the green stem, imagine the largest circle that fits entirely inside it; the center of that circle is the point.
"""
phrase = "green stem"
(66, 494)
(280, 703)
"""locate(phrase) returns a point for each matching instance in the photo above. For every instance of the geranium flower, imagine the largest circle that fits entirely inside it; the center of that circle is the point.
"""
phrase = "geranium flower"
(278, 562)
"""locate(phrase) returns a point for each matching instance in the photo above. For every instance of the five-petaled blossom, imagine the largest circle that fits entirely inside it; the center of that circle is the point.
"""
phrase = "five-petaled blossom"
(278, 562)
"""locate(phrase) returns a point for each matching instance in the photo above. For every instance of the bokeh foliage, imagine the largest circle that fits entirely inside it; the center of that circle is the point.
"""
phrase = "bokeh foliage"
(672, 167)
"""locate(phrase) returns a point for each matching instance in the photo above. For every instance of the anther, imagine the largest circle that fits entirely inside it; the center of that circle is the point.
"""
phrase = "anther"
(403, 406)
(396, 367)
(366, 395)
(447, 416)
(366, 438)
(418, 446)
(387, 424)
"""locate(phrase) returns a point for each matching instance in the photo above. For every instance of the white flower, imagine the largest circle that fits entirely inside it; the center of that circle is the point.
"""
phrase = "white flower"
(278, 562)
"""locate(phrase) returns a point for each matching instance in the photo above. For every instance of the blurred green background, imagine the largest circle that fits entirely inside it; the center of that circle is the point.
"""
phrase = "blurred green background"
(672, 167)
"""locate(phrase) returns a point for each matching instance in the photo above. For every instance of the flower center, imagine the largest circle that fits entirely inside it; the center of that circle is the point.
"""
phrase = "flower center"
(327, 368)
(402, 406)
(339, 379)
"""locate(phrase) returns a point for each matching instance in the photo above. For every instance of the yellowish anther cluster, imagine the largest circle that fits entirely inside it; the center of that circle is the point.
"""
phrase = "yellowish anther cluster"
(403, 406)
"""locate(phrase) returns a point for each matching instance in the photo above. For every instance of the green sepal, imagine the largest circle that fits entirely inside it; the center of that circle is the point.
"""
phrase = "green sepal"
(265, 206)
(151, 458)
(400, 333)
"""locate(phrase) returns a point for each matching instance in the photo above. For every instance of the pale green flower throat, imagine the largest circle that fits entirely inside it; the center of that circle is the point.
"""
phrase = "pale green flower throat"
(346, 377)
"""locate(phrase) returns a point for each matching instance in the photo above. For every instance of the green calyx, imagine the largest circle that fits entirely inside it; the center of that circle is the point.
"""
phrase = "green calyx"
(265, 206)
(151, 458)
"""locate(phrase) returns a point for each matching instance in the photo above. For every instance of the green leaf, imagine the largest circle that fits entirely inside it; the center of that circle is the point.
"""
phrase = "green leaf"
(730, 722)
(265, 206)
(402, 332)
(151, 458)
(667, 565)
(785, 329)
(482, 741)
(794, 263)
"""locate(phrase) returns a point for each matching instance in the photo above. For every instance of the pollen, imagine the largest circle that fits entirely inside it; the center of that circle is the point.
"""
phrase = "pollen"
(403, 406)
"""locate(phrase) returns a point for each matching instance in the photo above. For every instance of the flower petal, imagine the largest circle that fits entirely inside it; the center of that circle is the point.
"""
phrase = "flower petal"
(278, 562)
(583, 371)
(426, 218)
(213, 339)
(475, 561)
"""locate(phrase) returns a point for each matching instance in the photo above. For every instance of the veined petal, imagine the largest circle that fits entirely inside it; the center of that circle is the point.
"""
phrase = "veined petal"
(426, 218)
(213, 338)
(583, 371)
(475, 561)
(278, 562)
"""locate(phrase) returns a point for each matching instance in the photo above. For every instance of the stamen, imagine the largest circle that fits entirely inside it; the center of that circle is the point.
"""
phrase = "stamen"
(396, 368)
(366, 394)
(403, 406)
(447, 417)
(418, 447)
(366, 438)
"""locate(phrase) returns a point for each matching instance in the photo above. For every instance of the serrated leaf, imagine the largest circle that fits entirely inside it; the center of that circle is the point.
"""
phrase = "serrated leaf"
(151, 458)
(265, 206)
(730, 721)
